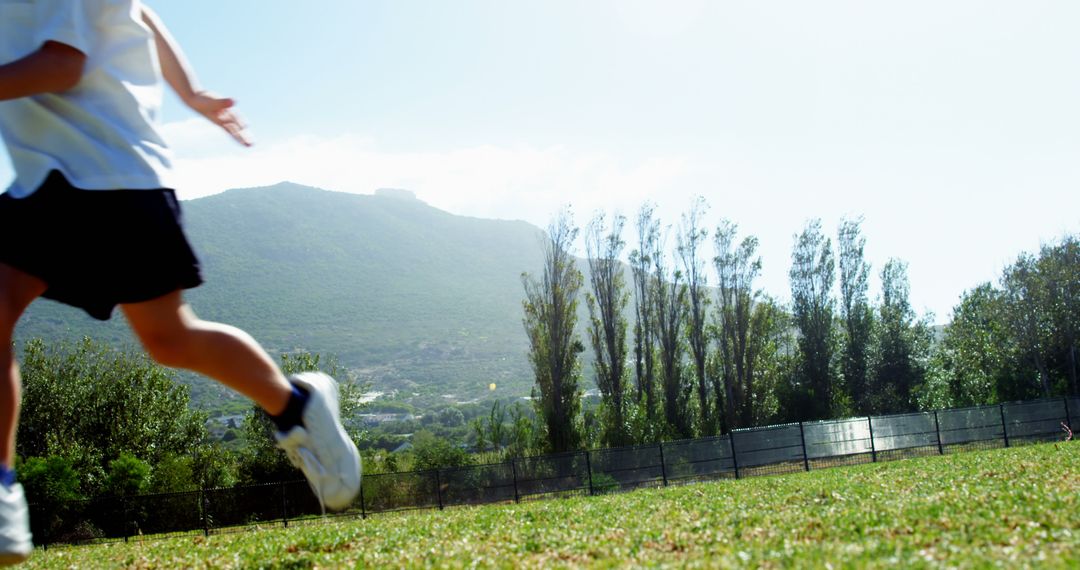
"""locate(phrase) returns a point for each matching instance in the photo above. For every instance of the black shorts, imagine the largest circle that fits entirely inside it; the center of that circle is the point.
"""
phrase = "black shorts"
(96, 249)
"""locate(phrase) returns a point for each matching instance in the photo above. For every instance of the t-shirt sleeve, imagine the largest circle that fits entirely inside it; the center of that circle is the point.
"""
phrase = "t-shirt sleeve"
(70, 22)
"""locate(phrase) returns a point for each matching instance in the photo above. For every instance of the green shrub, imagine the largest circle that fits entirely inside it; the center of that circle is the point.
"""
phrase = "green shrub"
(50, 480)
(433, 452)
(128, 475)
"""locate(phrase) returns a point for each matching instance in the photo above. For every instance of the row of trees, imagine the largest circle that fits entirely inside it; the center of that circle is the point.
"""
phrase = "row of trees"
(686, 344)
(682, 345)
(1015, 340)
(101, 422)
(98, 422)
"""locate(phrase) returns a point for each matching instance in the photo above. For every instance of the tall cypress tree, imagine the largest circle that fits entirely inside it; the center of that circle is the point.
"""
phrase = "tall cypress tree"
(812, 276)
(691, 239)
(607, 322)
(550, 319)
(856, 314)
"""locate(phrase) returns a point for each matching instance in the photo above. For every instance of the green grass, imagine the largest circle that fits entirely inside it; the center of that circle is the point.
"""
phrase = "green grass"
(1007, 508)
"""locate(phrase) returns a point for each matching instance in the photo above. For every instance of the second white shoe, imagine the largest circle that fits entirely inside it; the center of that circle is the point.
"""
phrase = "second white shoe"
(15, 539)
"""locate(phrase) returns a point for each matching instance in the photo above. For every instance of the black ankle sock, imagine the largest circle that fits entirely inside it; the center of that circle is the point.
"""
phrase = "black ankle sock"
(293, 414)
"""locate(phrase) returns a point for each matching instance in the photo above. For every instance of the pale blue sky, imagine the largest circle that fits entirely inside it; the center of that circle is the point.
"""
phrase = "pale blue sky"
(951, 126)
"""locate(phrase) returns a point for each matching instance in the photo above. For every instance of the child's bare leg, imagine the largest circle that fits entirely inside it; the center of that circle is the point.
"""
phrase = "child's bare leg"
(309, 427)
(175, 337)
(17, 291)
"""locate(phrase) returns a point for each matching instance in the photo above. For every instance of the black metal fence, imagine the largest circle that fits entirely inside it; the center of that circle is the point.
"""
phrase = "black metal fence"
(746, 452)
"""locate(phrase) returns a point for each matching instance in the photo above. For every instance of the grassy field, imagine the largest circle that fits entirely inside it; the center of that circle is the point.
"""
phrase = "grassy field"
(1017, 507)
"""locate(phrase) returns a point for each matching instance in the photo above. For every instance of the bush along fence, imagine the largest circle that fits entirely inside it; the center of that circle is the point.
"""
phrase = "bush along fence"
(746, 452)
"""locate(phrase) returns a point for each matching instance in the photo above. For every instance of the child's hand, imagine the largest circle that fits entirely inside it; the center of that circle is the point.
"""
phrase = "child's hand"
(219, 111)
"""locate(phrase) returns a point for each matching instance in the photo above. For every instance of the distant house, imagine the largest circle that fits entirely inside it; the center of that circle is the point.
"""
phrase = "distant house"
(407, 446)
(218, 427)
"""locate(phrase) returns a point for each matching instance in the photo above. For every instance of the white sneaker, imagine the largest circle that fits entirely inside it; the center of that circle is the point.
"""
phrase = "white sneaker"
(320, 447)
(15, 539)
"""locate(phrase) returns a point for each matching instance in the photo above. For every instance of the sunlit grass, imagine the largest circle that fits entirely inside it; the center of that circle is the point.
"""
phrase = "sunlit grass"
(1010, 507)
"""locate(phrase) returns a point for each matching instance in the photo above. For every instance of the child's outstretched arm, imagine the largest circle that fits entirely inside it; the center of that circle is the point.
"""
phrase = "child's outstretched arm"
(181, 78)
(53, 68)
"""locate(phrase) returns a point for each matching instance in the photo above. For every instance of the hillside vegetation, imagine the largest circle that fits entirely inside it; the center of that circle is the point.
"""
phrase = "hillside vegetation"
(414, 298)
(1004, 508)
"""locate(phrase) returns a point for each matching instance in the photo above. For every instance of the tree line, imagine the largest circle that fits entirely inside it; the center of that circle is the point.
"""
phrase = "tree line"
(102, 422)
(685, 342)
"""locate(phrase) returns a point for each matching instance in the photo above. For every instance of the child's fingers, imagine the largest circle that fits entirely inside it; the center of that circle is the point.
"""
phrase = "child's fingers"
(217, 110)
(235, 127)
(240, 135)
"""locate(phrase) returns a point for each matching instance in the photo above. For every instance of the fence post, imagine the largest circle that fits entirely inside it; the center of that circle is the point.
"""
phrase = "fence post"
(363, 508)
(1004, 426)
(438, 488)
(124, 510)
(204, 507)
(45, 532)
(588, 467)
(873, 447)
(734, 456)
(937, 428)
(284, 505)
(663, 469)
(1068, 420)
(513, 470)
(805, 457)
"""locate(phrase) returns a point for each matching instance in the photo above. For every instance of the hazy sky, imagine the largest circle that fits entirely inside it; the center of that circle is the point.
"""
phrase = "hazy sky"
(951, 126)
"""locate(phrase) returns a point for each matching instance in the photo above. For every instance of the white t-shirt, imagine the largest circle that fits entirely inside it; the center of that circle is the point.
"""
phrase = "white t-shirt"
(102, 134)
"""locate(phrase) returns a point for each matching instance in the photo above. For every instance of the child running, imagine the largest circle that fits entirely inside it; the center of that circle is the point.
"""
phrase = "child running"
(91, 221)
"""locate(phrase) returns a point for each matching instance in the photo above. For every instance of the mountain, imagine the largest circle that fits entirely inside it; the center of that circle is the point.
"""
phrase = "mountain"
(416, 300)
